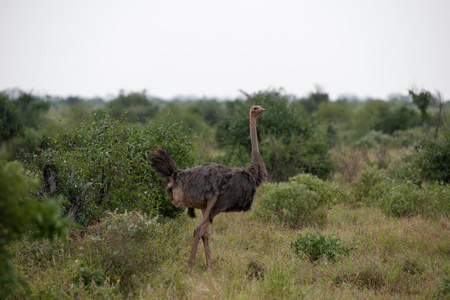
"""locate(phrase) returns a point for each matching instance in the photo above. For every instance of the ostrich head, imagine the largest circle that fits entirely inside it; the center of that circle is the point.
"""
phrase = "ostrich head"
(256, 110)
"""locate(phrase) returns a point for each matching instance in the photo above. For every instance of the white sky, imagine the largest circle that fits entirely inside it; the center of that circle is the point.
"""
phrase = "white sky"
(214, 48)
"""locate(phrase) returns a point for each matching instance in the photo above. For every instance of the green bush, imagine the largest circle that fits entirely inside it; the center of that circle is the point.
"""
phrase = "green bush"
(112, 259)
(290, 140)
(383, 117)
(138, 105)
(101, 164)
(370, 176)
(21, 121)
(408, 199)
(433, 159)
(122, 245)
(398, 139)
(315, 245)
(373, 139)
(22, 215)
(302, 201)
(380, 190)
(86, 275)
(125, 246)
(406, 171)
(399, 197)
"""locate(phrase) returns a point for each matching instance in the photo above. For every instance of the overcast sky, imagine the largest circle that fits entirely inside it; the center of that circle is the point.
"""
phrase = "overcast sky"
(213, 48)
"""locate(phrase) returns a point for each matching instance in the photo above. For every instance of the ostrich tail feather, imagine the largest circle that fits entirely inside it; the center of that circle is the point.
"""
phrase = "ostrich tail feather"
(163, 163)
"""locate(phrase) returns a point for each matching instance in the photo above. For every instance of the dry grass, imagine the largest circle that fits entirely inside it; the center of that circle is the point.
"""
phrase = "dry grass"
(393, 257)
(402, 257)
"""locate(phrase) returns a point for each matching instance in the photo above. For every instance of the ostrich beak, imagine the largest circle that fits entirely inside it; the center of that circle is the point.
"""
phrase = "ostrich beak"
(263, 109)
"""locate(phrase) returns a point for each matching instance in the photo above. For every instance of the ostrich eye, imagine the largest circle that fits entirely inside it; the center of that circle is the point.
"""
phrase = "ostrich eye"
(254, 108)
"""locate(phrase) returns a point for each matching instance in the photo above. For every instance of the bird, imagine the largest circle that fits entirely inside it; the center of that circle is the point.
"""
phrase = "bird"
(211, 187)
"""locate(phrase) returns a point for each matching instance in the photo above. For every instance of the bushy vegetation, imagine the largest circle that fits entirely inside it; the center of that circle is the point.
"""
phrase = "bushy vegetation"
(106, 260)
(303, 201)
(120, 246)
(290, 140)
(139, 106)
(316, 245)
(102, 164)
(22, 215)
(133, 255)
(21, 122)
(349, 172)
(432, 159)
(400, 197)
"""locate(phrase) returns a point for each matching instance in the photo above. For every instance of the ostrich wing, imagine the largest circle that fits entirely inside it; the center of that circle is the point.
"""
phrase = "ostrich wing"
(200, 183)
(238, 194)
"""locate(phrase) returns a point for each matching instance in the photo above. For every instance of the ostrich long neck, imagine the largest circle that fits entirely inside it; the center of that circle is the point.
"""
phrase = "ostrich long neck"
(257, 167)
(254, 138)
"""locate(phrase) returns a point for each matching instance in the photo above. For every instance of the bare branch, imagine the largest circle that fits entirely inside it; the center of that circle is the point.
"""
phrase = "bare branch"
(75, 207)
(107, 126)
(245, 93)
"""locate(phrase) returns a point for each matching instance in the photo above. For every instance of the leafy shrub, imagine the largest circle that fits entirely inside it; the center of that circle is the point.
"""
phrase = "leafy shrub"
(406, 171)
(429, 161)
(403, 139)
(138, 105)
(382, 116)
(380, 190)
(402, 199)
(399, 197)
(87, 276)
(122, 245)
(20, 215)
(433, 159)
(290, 140)
(286, 156)
(372, 139)
(370, 176)
(20, 121)
(408, 199)
(315, 245)
(111, 258)
(302, 201)
(101, 164)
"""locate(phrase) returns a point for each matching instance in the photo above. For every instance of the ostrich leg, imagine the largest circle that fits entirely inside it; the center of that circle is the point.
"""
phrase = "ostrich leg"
(205, 238)
(199, 232)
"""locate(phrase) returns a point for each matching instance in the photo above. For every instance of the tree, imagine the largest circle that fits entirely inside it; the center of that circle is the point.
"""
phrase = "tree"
(439, 117)
(11, 123)
(313, 101)
(422, 101)
(21, 120)
(291, 141)
(432, 159)
(382, 116)
(137, 105)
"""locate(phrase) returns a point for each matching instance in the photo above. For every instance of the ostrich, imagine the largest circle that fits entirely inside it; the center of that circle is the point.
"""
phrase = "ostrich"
(212, 187)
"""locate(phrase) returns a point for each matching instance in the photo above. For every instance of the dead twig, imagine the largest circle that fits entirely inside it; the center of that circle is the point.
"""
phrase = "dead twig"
(108, 126)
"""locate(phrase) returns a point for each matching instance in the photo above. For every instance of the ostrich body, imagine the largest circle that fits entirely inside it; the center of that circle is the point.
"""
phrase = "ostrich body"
(212, 187)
